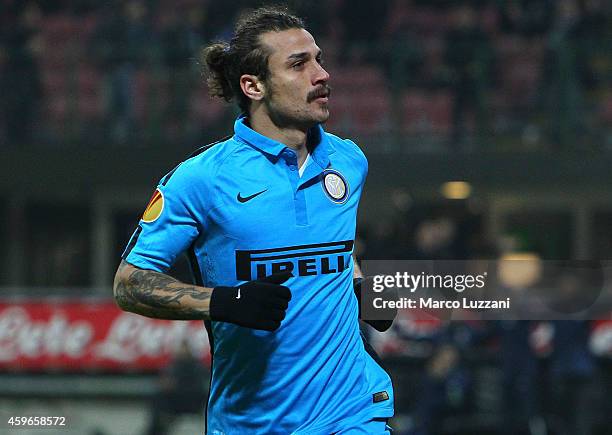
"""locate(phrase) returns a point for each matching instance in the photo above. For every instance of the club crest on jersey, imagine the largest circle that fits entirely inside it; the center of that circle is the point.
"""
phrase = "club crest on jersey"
(335, 186)
(154, 208)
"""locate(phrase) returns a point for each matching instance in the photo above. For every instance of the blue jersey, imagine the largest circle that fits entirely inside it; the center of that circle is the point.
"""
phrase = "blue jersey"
(241, 210)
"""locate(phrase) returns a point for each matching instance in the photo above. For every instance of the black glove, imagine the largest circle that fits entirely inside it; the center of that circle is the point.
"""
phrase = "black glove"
(379, 325)
(258, 304)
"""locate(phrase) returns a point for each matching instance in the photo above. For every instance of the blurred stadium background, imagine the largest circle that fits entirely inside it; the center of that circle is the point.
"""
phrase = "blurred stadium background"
(487, 124)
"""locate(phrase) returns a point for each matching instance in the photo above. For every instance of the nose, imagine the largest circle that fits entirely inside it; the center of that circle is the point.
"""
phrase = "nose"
(320, 76)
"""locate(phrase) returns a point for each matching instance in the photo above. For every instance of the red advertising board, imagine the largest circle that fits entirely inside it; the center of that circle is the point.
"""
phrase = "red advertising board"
(80, 335)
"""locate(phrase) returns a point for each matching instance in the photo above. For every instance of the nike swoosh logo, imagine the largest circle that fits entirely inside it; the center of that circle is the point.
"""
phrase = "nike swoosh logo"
(238, 297)
(248, 198)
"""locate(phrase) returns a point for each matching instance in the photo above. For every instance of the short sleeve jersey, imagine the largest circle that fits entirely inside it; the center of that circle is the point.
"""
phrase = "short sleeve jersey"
(241, 210)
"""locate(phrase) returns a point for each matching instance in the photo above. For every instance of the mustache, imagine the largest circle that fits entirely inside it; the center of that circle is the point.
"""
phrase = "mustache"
(321, 91)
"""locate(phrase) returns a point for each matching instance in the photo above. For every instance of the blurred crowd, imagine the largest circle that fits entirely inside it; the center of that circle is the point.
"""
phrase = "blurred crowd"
(503, 377)
(444, 73)
(519, 377)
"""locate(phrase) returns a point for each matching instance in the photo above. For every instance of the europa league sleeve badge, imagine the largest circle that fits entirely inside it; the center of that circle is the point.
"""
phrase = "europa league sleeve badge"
(154, 208)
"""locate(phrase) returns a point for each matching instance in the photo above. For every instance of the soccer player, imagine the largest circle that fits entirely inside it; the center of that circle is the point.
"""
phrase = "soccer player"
(267, 217)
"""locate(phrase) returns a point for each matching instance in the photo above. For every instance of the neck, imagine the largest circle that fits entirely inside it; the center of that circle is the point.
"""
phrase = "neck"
(292, 137)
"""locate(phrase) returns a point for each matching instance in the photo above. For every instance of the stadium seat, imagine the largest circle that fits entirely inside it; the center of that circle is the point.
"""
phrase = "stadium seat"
(203, 108)
(365, 112)
(519, 69)
(425, 112)
(357, 77)
(606, 109)
(89, 93)
(54, 81)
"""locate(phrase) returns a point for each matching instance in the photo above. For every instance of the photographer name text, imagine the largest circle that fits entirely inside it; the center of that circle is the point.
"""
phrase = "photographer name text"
(435, 304)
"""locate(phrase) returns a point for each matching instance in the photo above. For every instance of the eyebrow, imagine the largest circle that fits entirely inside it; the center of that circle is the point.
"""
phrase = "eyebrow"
(301, 55)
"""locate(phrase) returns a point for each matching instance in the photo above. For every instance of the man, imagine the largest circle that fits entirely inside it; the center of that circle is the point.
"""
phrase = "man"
(268, 219)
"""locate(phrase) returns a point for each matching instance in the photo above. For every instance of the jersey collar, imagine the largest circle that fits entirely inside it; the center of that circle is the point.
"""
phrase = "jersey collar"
(319, 153)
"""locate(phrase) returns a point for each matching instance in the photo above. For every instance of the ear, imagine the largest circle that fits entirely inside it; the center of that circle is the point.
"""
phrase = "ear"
(252, 87)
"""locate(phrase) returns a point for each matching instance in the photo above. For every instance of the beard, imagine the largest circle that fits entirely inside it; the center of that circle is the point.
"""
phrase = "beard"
(286, 114)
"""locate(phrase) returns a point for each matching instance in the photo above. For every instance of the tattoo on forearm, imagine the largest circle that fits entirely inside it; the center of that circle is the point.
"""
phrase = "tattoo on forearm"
(155, 294)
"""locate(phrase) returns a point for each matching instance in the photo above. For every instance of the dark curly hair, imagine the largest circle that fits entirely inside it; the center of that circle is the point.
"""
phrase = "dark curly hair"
(224, 63)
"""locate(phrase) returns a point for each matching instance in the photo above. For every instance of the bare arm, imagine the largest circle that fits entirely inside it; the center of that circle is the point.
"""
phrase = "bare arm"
(155, 294)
